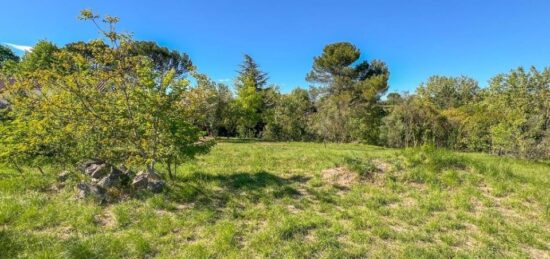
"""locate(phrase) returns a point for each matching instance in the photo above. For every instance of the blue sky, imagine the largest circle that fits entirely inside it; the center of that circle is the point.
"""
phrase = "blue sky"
(416, 39)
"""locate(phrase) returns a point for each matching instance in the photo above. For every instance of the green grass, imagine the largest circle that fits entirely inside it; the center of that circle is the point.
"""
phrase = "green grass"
(263, 199)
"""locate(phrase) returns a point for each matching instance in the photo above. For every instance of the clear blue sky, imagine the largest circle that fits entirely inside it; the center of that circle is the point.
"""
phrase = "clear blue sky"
(415, 38)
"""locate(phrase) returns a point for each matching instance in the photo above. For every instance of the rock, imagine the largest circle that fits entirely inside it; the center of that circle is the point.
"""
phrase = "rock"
(95, 168)
(148, 180)
(89, 162)
(115, 178)
(140, 181)
(90, 190)
(109, 181)
(63, 176)
(156, 186)
(98, 171)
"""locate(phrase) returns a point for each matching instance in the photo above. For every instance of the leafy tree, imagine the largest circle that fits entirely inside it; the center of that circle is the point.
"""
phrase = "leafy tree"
(213, 106)
(393, 99)
(449, 92)
(332, 119)
(413, 123)
(249, 70)
(6, 54)
(349, 94)
(519, 102)
(163, 59)
(42, 57)
(111, 104)
(289, 118)
(250, 85)
(510, 117)
(334, 69)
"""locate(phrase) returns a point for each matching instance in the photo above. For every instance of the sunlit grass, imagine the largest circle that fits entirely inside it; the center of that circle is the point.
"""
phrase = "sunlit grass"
(265, 199)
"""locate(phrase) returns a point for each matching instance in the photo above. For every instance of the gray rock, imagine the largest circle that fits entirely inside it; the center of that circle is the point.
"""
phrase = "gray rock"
(115, 178)
(109, 181)
(95, 168)
(90, 190)
(148, 181)
(89, 162)
(98, 171)
(140, 181)
(156, 186)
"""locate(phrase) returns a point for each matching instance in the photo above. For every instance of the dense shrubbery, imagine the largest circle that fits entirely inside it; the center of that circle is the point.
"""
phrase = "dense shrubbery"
(509, 117)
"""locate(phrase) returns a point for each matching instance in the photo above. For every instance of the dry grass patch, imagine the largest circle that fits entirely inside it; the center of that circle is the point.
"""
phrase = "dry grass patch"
(339, 176)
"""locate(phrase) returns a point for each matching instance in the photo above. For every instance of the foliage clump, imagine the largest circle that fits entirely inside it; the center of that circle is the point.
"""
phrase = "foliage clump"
(509, 117)
(119, 100)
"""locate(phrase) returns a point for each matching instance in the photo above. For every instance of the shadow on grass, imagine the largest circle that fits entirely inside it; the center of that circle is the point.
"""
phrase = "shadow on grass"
(10, 245)
(217, 190)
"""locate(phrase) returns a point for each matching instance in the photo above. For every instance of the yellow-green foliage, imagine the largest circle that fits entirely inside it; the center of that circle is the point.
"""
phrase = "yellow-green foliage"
(97, 100)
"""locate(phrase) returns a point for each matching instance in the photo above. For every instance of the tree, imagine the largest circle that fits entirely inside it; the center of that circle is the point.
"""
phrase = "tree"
(163, 59)
(449, 92)
(212, 104)
(349, 94)
(111, 104)
(249, 70)
(289, 118)
(414, 122)
(6, 54)
(333, 69)
(42, 57)
(250, 85)
(510, 117)
(519, 101)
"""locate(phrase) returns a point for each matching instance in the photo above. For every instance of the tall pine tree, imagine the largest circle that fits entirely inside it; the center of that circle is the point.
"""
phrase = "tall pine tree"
(251, 85)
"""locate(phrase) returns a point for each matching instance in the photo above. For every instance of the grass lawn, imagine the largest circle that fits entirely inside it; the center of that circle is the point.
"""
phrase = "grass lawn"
(263, 199)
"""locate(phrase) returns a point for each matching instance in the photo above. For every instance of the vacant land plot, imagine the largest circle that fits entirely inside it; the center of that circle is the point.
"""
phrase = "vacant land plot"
(262, 199)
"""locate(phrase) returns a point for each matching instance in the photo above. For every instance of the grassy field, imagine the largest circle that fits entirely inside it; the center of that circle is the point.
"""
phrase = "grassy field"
(262, 199)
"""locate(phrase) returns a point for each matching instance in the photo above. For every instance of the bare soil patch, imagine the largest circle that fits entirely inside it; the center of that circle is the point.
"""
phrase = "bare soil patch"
(339, 176)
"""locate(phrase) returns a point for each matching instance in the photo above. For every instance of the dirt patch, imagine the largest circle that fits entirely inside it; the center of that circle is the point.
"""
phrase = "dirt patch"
(537, 253)
(406, 202)
(105, 219)
(185, 206)
(339, 176)
(382, 166)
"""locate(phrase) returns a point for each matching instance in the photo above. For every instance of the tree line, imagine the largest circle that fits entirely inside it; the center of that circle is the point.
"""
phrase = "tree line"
(137, 103)
(347, 102)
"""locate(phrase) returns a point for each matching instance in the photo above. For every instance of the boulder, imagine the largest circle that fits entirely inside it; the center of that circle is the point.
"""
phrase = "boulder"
(89, 162)
(98, 171)
(148, 181)
(90, 190)
(95, 168)
(156, 186)
(109, 181)
(115, 178)
(140, 181)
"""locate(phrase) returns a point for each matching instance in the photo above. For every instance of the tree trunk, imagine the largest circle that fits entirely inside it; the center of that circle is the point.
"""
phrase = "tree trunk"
(170, 169)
